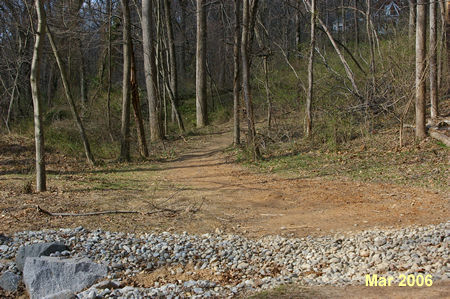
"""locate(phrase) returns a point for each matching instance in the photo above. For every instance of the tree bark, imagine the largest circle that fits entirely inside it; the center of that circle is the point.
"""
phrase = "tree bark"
(236, 75)
(370, 41)
(73, 108)
(412, 19)
(441, 44)
(298, 29)
(150, 71)
(13, 95)
(268, 96)
(83, 81)
(447, 39)
(356, 24)
(434, 93)
(173, 73)
(347, 68)
(108, 97)
(184, 44)
(143, 150)
(420, 69)
(251, 136)
(309, 98)
(343, 21)
(125, 128)
(165, 83)
(172, 60)
(35, 91)
(200, 76)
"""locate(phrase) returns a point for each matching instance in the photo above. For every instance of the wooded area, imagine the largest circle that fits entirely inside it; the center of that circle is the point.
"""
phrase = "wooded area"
(224, 148)
(250, 58)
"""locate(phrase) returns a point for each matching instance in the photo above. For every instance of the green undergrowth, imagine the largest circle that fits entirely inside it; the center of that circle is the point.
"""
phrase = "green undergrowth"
(423, 165)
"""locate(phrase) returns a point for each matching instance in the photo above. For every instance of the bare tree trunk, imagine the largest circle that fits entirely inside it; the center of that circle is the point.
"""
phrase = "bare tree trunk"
(201, 101)
(150, 70)
(15, 89)
(50, 86)
(143, 150)
(159, 63)
(13, 95)
(251, 138)
(420, 69)
(108, 99)
(347, 68)
(370, 40)
(309, 98)
(441, 44)
(73, 108)
(125, 128)
(236, 76)
(172, 59)
(434, 93)
(268, 96)
(356, 24)
(447, 39)
(83, 81)
(34, 80)
(165, 83)
(184, 44)
(412, 19)
(298, 29)
(251, 29)
(343, 20)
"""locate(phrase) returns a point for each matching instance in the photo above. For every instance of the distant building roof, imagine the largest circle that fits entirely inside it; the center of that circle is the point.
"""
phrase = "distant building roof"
(388, 8)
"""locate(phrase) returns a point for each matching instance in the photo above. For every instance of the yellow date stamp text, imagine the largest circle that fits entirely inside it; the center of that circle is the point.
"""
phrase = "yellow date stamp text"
(403, 280)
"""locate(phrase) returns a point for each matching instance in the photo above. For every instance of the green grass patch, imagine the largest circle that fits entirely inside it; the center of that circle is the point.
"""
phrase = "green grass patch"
(409, 167)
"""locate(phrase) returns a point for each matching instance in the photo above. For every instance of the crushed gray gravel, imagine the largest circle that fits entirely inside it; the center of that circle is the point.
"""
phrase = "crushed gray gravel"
(251, 265)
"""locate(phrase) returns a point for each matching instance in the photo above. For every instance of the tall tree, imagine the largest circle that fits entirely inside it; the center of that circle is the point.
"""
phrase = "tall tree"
(173, 73)
(343, 20)
(245, 48)
(412, 19)
(236, 75)
(41, 182)
(73, 108)
(420, 69)
(135, 100)
(108, 97)
(309, 98)
(200, 75)
(433, 60)
(298, 28)
(150, 71)
(344, 62)
(184, 43)
(356, 24)
(125, 128)
(83, 79)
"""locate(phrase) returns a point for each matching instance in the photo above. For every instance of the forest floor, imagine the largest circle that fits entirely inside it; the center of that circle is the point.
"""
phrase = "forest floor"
(202, 190)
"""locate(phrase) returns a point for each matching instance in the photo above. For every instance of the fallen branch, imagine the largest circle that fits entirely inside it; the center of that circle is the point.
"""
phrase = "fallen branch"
(102, 212)
(434, 133)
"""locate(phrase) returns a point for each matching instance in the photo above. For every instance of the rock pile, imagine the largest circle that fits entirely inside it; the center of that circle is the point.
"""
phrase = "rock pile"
(216, 265)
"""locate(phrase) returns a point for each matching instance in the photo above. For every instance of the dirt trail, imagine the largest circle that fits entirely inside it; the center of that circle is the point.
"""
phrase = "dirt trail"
(257, 204)
(216, 194)
(235, 199)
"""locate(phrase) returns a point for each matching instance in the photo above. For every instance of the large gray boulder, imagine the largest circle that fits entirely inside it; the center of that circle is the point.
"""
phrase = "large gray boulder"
(37, 250)
(51, 276)
(9, 281)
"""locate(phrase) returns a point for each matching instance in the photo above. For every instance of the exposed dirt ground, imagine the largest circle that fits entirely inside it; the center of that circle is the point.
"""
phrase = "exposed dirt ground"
(436, 291)
(207, 192)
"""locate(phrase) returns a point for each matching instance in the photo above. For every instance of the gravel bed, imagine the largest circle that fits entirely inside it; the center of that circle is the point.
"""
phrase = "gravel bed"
(232, 264)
